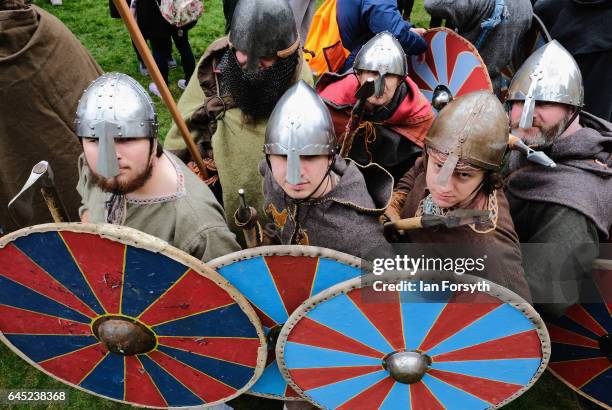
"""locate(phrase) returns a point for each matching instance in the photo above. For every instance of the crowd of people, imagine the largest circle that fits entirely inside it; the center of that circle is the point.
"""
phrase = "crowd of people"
(323, 163)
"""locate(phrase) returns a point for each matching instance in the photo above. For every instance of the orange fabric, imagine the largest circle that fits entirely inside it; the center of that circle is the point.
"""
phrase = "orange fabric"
(323, 48)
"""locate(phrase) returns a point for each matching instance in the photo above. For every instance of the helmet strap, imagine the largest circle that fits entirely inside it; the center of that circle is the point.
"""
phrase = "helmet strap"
(570, 121)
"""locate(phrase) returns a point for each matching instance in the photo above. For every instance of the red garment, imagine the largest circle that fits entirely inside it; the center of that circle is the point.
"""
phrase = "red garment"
(412, 119)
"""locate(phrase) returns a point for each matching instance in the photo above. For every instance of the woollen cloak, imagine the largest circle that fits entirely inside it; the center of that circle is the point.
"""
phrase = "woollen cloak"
(43, 71)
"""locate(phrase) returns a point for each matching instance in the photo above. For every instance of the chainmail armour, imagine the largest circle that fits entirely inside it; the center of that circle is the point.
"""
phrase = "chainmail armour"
(256, 93)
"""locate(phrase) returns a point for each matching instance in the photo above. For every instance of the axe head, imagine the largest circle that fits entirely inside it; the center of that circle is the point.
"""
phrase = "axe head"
(363, 93)
(456, 218)
(461, 217)
(366, 90)
(537, 157)
(20, 207)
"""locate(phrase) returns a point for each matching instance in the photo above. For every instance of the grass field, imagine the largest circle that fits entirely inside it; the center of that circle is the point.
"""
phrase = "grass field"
(109, 43)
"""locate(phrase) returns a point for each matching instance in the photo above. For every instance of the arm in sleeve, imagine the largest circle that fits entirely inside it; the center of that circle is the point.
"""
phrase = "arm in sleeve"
(383, 15)
(213, 242)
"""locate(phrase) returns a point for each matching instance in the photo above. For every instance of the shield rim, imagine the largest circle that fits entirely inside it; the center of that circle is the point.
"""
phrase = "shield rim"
(597, 263)
(285, 250)
(497, 291)
(471, 47)
(133, 237)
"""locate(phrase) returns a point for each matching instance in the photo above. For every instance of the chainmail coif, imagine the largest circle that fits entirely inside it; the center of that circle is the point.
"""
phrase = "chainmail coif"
(256, 93)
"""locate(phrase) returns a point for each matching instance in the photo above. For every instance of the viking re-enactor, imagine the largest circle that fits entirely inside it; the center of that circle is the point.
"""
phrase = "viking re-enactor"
(569, 207)
(312, 195)
(459, 170)
(126, 178)
(241, 78)
(43, 70)
(394, 120)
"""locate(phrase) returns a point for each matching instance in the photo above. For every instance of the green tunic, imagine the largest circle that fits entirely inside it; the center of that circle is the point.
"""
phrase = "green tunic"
(237, 147)
(191, 219)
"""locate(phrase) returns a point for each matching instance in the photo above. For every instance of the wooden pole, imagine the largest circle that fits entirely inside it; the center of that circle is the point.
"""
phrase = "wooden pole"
(147, 57)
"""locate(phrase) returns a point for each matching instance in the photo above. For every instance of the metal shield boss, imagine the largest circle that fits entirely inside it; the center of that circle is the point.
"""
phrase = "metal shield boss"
(263, 28)
(550, 74)
(581, 351)
(123, 315)
(276, 280)
(452, 67)
(114, 106)
(382, 54)
(413, 349)
(300, 124)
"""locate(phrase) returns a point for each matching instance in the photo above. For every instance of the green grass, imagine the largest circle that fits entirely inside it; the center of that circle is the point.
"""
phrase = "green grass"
(108, 41)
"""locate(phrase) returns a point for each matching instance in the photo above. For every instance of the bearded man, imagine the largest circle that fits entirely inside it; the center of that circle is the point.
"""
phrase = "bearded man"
(126, 178)
(242, 77)
(566, 207)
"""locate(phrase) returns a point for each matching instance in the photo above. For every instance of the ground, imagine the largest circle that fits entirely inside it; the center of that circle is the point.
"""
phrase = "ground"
(108, 41)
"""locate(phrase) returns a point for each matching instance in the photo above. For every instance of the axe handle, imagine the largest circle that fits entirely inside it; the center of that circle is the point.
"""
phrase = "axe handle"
(56, 208)
(347, 143)
(147, 57)
(250, 226)
(513, 140)
(407, 223)
(250, 237)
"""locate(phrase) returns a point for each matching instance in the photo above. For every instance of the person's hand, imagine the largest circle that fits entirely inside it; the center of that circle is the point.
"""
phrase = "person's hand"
(418, 30)
(85, 217)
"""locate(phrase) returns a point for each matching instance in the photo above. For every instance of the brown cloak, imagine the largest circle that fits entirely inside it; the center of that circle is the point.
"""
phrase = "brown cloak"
(43, 71)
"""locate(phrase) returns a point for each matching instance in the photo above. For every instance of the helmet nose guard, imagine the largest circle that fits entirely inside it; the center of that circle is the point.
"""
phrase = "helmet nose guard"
(300, 124)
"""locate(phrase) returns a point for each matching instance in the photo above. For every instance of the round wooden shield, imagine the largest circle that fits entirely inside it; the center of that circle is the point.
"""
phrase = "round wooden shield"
(451, 61)
(536, 37)
(123, 315)
(582, 344)
(480, 349)
(276, 280)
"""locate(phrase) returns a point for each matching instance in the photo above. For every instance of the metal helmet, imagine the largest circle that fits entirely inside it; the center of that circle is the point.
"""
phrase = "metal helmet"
(263, 28)
(383, 54)
(472, 128)
(299, 125)
(114, 106)
(550, 74)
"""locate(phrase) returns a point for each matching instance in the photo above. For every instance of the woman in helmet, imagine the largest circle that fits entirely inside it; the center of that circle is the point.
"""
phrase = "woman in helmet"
(459, 169)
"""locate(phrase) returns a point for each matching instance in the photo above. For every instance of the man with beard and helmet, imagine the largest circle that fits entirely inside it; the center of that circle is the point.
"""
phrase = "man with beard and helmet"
(567, 206)
(241, 76)
(126, 178)
(459, 170)
(312, 195)
(391, 124)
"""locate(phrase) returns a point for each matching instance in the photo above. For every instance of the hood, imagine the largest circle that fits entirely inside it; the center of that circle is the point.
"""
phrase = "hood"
(589, 149)
(339, 92)
(349, 190)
